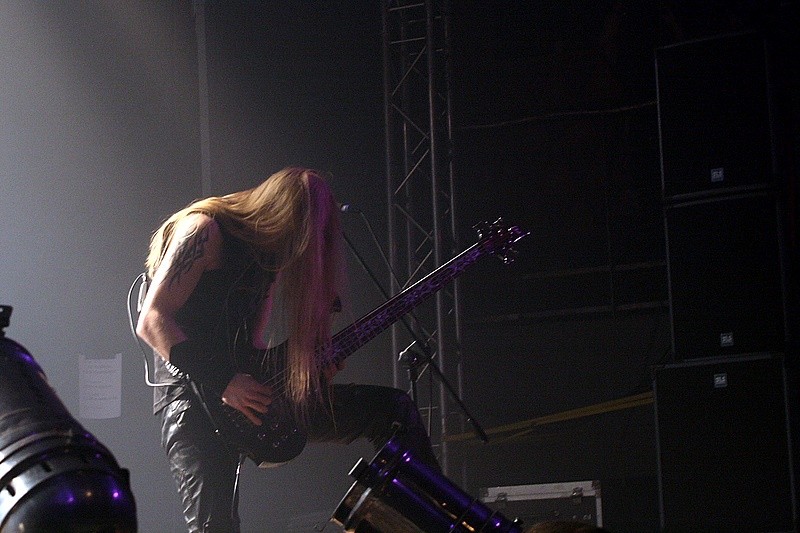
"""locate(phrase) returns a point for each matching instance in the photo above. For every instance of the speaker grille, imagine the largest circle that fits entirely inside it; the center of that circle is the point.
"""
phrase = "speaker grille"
(726, 289)
(714, 115)
(724, 459)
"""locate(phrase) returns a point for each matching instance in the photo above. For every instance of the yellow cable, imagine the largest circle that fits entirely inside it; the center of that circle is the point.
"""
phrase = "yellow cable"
(521, 428)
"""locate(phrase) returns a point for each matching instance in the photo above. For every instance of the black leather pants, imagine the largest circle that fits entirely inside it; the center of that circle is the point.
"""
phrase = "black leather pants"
(206, 469)
(375, 413)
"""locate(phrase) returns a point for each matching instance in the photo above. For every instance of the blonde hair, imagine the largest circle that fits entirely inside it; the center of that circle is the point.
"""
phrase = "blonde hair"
(293, 216)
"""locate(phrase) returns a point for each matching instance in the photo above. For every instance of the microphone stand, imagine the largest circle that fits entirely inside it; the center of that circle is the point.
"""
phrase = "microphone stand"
(412, 358)
(412, 362)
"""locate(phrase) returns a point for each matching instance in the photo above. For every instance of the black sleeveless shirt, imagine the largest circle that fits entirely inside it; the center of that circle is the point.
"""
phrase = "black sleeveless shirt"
(220, 314)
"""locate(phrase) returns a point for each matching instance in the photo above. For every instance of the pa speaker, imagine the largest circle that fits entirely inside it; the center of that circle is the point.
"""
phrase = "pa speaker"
(713, 110)
(723, 446)
(725, 277)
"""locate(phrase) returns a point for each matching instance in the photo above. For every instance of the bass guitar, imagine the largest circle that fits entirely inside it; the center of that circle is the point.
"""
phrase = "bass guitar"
(279, 438)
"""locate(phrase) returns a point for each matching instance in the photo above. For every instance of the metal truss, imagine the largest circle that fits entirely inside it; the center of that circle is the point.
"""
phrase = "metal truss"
(421, 215)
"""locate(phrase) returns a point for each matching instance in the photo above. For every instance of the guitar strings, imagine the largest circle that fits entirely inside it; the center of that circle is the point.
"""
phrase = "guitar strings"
(358, 333)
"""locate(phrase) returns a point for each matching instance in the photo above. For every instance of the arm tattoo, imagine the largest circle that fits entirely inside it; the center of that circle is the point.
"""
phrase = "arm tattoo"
(188, 251)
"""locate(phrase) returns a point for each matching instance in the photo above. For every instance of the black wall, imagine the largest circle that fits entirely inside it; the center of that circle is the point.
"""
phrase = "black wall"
(560, 133)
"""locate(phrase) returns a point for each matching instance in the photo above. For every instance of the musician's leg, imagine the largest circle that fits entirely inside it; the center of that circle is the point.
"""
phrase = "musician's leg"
(375, 413)
(204, 469)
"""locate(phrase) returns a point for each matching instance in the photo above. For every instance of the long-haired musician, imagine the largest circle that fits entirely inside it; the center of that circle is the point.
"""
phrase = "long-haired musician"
(222, 272)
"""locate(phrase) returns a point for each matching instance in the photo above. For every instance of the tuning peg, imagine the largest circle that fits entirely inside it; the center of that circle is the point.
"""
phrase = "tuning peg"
(509, 256)
(481, 228)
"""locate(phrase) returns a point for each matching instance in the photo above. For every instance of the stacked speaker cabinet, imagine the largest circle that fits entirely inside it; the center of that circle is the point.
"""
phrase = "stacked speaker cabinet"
(724, 452)
(726, 290)
(723, 448)
(721, 211)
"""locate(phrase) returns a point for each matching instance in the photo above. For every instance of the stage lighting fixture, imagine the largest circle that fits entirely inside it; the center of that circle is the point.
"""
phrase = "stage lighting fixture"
(395, 492)
(54, 475)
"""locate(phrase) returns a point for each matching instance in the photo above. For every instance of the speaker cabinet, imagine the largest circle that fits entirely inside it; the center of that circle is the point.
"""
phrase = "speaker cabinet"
(725, 277)
(713, 113)
(723, 446)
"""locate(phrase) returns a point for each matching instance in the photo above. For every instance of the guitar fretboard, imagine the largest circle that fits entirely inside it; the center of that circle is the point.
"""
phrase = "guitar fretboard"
(363, 330)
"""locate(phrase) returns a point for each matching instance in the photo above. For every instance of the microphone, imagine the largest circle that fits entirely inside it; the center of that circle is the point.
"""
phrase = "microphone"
(348, 208)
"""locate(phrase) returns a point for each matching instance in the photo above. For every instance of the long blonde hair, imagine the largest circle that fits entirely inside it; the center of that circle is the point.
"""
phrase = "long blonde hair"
(293, 216)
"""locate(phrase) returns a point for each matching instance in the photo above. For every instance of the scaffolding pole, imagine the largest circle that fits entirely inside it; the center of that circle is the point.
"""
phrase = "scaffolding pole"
(421, 216)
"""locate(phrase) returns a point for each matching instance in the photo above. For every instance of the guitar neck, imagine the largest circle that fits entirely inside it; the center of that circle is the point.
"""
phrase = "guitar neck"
(363, 330)
(495, 239)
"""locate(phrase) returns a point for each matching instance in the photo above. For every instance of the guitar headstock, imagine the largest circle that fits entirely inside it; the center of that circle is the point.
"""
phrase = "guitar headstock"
(498, 238)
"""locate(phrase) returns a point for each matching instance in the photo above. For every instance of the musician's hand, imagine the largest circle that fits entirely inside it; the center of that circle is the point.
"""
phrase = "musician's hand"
(331, 370)
(249, 396)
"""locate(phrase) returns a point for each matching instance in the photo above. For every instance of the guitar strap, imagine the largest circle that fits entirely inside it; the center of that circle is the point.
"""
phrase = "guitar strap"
(202, 402)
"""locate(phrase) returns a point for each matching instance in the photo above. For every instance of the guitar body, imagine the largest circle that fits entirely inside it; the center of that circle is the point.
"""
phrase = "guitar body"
(279, 438)
(276, 441)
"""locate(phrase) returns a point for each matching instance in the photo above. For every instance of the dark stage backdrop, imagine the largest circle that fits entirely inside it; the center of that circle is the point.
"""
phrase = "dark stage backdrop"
(556, 129)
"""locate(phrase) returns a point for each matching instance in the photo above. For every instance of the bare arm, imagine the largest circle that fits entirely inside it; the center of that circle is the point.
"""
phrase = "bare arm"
(195, 248)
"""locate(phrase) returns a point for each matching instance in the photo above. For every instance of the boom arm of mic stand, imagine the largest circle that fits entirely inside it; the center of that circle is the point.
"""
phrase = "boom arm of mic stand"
(435, 369)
